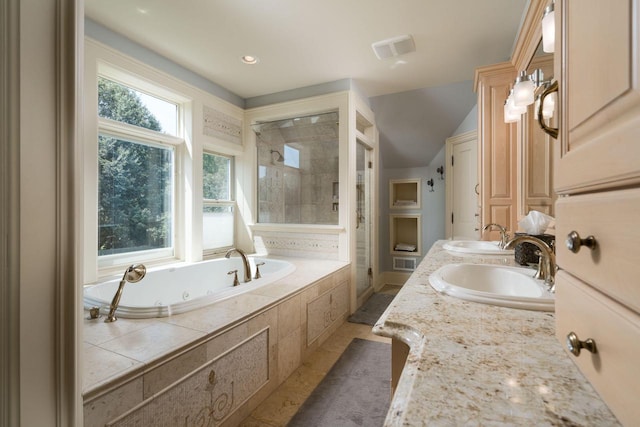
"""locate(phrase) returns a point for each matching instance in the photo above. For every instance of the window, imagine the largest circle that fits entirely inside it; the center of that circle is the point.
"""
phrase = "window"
(136, 177)
(218, 217)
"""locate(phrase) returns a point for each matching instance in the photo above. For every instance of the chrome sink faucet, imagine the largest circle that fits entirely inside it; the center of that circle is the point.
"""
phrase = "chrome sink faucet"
(504, 235)
(548, 267)
(245, 262)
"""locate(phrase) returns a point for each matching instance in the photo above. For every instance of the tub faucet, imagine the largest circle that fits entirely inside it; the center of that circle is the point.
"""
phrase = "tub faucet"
(132, 274)
(547, 268)
(504, 236)
(245, 262)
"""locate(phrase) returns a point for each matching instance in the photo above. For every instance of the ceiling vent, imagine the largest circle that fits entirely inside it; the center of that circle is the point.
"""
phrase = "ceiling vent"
(393, 47)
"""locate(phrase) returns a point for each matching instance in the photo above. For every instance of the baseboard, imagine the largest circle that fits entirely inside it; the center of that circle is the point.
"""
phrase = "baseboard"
(392, 278)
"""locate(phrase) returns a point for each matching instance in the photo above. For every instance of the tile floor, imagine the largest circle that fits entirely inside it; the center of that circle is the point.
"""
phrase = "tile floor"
(281, 405)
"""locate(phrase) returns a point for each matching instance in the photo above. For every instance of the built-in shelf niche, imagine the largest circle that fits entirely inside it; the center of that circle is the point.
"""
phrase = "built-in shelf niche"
(404, 194)
(405, 235)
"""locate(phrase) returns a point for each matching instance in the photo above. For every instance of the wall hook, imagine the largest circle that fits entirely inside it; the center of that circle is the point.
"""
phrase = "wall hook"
(440, 170)
(430, 184)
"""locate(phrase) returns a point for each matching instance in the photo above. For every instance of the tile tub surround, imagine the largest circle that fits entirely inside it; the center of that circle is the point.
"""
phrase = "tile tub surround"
(477, 364)
(122, 359)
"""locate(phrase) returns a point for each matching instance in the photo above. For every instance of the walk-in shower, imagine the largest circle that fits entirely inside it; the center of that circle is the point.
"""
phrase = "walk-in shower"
(298, 170)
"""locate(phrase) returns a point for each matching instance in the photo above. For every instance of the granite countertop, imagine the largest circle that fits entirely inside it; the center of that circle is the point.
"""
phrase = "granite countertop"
(478, 364)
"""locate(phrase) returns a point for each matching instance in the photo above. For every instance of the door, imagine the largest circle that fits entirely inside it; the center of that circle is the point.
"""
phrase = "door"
(363, 220)
(463, 185)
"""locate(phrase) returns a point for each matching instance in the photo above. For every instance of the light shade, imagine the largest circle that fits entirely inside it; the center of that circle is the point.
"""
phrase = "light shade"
(549, 106)
(548, 30)
(510, 115)
(523, 91)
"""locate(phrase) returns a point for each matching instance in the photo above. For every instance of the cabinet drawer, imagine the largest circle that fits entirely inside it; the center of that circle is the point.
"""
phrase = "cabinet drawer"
(613, 370)
(613, 218)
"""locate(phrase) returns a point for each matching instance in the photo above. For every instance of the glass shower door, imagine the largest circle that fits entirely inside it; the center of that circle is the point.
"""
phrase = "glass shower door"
(363, 220)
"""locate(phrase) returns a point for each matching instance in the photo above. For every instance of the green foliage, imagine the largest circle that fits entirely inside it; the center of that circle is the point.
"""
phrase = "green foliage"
(135, 180)
(215, 177)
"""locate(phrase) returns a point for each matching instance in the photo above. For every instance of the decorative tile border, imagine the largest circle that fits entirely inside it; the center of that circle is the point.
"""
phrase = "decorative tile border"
(220, 125)
(323, 246)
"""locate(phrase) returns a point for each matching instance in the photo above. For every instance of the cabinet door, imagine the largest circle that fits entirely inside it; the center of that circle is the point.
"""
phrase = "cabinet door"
(498, 186)
(600, 96)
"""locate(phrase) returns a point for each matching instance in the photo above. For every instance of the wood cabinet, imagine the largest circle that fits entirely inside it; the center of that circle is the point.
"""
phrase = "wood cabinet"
(498, 153)
(597, 176)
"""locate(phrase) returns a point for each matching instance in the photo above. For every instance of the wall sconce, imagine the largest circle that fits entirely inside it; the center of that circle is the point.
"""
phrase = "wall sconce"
(512, 113)
(548, 29)
(430, 184)
(523, 94)
(440, 170)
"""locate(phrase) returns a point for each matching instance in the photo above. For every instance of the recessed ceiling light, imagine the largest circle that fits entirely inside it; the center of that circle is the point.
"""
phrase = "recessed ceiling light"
(249, 59)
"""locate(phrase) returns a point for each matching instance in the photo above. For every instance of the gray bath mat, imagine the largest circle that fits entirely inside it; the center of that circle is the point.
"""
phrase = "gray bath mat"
(371, 310)
(355, 392)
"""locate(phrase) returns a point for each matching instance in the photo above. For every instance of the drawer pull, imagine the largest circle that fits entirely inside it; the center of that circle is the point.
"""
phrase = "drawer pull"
(574, 242)
(575, 345)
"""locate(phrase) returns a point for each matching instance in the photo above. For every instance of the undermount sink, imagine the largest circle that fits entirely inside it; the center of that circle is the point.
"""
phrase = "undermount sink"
(476, 247)
(492, 284)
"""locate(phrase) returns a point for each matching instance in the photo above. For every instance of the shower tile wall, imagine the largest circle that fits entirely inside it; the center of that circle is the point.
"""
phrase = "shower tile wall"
(303, 195)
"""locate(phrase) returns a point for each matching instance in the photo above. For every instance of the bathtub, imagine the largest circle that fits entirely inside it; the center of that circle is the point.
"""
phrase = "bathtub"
(180, 288)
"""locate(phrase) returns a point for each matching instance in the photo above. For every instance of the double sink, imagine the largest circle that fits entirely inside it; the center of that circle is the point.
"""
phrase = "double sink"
(504, 286)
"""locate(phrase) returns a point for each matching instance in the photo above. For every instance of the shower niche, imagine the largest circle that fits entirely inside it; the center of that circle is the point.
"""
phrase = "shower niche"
(298, 169)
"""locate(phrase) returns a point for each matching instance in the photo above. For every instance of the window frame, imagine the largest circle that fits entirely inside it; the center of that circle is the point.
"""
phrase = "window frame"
(106, 264)
(212, 252)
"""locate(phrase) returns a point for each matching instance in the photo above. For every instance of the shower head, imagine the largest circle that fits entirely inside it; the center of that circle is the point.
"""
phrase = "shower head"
(135, 273)
(279, 159)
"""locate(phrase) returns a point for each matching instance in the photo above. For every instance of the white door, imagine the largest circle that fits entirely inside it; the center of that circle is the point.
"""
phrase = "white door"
(462, 174)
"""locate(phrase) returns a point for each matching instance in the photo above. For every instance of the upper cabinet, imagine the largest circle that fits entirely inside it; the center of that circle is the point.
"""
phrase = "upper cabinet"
(497, 147)
(600, 125)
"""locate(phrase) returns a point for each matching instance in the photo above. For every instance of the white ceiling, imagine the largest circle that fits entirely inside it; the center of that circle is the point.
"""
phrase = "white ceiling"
(303, 43)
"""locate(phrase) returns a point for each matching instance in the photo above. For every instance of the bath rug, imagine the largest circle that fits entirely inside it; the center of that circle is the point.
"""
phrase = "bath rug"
(355, 392)
(371, 310)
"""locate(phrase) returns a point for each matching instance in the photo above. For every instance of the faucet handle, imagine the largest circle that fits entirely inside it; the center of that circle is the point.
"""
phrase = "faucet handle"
(236, 282)
(258, 275)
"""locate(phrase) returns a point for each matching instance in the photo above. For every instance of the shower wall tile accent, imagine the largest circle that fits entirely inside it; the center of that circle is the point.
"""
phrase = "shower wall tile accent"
(220, 125)
(306, 245)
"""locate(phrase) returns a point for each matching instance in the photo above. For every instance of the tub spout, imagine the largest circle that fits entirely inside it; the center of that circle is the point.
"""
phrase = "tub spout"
(245, 262)
(132, 274)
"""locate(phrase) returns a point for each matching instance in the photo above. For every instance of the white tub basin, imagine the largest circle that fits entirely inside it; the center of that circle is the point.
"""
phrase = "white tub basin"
(476, 247)
(492, 284)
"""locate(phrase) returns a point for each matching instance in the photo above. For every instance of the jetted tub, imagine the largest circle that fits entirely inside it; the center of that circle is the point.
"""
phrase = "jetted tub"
(178, 289)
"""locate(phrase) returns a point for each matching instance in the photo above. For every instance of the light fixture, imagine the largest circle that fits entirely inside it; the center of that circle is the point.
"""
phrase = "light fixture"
(249, 59)
(523, 90)
(548, 29)
(440, 170)
(430, 184)
(512, 112)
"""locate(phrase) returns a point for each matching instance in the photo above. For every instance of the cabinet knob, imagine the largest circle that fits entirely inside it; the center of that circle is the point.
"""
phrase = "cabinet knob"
(574, 345)
(574, 242)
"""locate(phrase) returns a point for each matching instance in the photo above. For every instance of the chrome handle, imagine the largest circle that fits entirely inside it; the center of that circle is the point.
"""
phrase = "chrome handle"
(553, 132)
(574, 345)
(574, 242)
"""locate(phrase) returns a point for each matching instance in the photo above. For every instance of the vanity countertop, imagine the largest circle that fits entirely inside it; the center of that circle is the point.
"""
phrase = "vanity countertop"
(478, 364)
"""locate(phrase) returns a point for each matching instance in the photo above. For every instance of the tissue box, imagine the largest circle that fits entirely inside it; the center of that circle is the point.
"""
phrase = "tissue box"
(525, 253)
